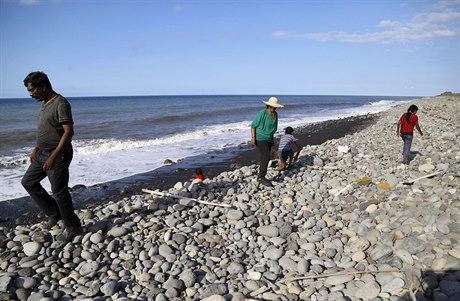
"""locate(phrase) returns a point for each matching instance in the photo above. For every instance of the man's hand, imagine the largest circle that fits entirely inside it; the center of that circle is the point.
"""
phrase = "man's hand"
(49, 164)
(33, 153)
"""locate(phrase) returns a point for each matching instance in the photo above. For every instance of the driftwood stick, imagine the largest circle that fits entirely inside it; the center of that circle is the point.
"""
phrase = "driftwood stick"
(342, 190)
(270, 284)
(163, 194)
(419, 178)
(412, 295)
(410, 281)
(338, 274)
(258, 291)
(161, 230)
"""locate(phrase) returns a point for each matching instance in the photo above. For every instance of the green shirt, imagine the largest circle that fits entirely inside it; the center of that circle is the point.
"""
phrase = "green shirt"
(264, 125)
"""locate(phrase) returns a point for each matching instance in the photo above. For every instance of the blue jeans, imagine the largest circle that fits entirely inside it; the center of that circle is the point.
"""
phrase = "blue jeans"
(407, 138)
(59, 206)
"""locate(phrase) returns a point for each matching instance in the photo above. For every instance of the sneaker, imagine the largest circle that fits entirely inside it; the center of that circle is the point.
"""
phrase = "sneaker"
(69, 234)
(265, 182)
(50, 223)
(276, 178)
(402, 166)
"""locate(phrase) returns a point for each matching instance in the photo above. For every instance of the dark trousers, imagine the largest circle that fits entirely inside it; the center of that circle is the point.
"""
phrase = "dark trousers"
(407, 138)
(264, 148)
(59, 206)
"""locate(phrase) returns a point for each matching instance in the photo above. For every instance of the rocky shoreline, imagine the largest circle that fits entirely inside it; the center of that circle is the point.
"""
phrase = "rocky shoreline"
(346, 222)
(23, 211)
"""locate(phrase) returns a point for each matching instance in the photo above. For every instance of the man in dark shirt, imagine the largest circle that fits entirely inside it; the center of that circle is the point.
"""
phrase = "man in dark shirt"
(51, 157)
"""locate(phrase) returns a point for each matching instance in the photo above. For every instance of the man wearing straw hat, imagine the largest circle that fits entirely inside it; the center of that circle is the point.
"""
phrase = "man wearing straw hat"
(263, 128)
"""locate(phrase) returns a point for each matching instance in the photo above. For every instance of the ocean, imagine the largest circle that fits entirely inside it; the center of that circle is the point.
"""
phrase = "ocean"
(117, 137)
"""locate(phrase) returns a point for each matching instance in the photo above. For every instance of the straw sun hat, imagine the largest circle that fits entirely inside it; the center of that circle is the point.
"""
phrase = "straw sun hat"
(273, 102)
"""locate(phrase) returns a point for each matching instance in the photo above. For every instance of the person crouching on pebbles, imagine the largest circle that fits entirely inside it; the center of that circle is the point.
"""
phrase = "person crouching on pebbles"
(199, 175)
(405, 129)
(286, 149)
(263, 128)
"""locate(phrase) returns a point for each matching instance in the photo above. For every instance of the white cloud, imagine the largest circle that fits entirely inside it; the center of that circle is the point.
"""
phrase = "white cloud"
(178, 8)
(388, 23)
(443, 4)
(29, 2)
(423, 27)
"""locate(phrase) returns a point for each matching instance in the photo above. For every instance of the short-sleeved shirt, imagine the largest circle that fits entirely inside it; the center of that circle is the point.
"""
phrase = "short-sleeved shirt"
(408, 127)
(264, 125)
(50, 120)
(285, 142)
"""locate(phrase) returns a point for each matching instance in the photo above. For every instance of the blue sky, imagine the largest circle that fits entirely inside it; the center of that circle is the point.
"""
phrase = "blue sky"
(270, 47)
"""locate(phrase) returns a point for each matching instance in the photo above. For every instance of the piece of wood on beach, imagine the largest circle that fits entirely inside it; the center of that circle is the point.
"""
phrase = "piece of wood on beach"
(325, 275)
(260, 290)
(410, 182)
(342, 190)
(165, 194)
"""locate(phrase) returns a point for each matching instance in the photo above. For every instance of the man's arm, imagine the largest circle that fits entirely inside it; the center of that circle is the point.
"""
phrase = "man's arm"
(33, 153)
(417, 126)
(253, 136)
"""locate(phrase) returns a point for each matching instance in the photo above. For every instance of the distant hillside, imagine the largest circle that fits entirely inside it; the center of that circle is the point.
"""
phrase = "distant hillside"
(448, 93)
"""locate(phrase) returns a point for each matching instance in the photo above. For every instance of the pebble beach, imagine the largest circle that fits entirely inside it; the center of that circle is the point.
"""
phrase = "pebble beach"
(347, 221)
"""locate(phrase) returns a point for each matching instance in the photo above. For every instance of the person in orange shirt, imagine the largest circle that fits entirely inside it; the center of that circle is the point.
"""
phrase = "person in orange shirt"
(405, 129)
(199, 174)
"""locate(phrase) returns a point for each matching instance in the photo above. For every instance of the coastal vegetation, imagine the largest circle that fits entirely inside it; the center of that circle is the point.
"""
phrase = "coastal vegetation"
(448, 93)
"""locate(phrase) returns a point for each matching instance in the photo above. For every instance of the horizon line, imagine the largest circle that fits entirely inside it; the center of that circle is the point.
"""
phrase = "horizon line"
(262, 94)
